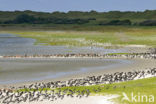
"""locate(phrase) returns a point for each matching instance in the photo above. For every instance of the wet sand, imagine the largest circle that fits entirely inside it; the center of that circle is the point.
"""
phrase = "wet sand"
(27, 70)
(17, 72)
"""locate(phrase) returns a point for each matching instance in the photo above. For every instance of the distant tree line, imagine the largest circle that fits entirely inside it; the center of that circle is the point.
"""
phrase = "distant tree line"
(148, 18)
(116, 22)
(128, 22)
(24, 18)
(148, 23)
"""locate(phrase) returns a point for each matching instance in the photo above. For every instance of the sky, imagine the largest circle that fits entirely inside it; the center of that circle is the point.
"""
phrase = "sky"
(77, 5)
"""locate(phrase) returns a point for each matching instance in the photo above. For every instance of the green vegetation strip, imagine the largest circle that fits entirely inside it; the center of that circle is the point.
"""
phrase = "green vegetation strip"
(138, 87)
(142, 86)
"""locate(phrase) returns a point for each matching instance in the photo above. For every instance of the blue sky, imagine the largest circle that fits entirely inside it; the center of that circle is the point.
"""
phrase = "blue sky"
(77, 5)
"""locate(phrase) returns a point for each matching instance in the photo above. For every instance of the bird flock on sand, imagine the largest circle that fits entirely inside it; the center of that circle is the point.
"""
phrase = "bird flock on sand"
(52, 91)
(88, 55)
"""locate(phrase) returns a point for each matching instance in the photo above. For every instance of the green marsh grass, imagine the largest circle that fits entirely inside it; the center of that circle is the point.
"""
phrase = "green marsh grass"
(93, 36)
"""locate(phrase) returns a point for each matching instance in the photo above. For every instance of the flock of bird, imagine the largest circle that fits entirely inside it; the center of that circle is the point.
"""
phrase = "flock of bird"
(88, 55)
(52, 91)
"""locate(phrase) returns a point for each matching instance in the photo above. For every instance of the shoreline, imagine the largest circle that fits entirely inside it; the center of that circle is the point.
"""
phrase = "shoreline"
(138, 64)
(143, 67)
(52, 92)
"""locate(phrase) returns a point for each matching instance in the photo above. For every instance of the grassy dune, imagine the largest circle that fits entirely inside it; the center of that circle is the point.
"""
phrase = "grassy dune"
(143, 86)
(138, 87)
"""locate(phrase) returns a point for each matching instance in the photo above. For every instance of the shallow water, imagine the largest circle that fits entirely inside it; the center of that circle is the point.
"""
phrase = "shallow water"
(13, 45)
(24, 70)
